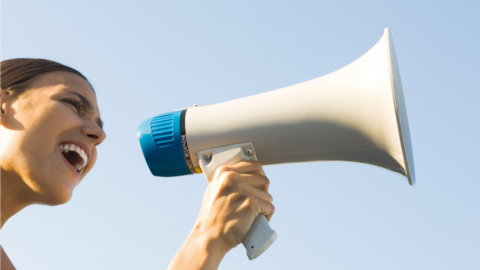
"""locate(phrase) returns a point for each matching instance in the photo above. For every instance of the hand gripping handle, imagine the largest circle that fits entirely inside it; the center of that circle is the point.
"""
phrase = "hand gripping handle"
(260, 236)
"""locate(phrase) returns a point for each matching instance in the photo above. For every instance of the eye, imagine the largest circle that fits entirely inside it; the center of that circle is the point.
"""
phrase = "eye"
(75, 103)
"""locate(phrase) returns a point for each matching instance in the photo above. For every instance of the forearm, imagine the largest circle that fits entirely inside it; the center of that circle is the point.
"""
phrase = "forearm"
(198, 252)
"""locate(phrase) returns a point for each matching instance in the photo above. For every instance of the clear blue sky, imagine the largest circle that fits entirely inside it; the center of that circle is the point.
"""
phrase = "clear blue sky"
(149, 57)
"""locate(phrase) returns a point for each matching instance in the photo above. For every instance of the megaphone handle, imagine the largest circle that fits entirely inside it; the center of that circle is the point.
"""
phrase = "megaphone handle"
(260, 236)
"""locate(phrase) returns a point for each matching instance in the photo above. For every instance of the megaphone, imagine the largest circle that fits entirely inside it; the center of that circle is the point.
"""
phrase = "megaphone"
(356, 113)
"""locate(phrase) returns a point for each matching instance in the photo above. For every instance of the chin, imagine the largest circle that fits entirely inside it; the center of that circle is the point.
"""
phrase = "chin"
(57, 197)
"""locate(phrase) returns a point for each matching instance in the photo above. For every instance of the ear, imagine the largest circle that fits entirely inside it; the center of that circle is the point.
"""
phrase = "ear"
(4, 98)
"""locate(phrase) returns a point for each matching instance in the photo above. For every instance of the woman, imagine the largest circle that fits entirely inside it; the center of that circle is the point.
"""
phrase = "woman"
(49, 133)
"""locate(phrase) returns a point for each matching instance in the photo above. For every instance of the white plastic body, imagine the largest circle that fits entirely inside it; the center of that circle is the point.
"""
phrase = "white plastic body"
(260, 236)
(356, 113)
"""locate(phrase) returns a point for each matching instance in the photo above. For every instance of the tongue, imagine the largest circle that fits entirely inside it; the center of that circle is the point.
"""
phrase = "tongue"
(73, 158)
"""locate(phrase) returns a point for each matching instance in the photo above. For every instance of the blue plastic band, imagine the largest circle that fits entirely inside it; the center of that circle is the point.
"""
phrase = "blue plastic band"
(161, 143)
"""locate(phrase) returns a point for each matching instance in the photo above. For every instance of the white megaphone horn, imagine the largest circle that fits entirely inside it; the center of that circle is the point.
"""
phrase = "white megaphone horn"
(354, 114)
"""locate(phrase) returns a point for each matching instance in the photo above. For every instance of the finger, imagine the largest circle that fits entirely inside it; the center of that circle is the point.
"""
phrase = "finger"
(257, 206)
(267, 209)
(243, 186)
(256, 180)
(269, 217)
(250, 166)
(250, 191)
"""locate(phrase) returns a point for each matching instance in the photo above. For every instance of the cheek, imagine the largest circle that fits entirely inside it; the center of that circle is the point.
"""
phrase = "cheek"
(30, 151)
(42, 131)
(42, 127)
(37, 152)
(56, 118)
(40, 143)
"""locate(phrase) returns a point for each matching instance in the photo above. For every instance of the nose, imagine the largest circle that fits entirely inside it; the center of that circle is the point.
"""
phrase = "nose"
(94, 132)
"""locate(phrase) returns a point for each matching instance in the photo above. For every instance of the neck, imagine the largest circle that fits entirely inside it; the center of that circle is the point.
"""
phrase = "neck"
(13, 195)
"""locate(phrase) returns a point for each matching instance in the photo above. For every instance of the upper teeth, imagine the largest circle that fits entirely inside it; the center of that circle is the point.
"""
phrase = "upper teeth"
(72, 147)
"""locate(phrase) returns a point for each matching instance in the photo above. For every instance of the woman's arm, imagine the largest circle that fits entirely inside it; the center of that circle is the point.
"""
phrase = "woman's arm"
(232, 201)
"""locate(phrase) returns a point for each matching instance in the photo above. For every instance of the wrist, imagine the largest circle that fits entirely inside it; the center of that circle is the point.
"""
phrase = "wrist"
(210, 244)
(199, 251)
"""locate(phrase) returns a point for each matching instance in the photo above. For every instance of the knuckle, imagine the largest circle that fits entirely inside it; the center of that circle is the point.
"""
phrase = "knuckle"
(222, 169)
(261, 182)
(269, 209)
(250, 203)
(239, 189)
(230, 177)
(266, 181)
(230, 174)
(270, 198)
(255, 162)
(230, 183)
(272, 208)
(232, 198)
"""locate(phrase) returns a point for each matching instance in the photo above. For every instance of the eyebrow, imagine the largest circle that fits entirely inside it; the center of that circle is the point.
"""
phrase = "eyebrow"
(88, 107)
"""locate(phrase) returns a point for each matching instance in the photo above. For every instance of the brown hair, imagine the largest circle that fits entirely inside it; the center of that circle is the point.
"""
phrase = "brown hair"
(17, 74)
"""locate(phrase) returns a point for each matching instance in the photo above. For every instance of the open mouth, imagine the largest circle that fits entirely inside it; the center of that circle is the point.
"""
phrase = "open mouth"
(75, 155)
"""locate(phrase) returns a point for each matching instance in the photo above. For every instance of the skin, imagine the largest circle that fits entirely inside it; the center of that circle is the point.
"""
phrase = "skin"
(232, 201)
(34, 124)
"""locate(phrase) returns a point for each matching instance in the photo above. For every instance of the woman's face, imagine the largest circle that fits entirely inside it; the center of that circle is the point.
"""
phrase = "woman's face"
(59, 111)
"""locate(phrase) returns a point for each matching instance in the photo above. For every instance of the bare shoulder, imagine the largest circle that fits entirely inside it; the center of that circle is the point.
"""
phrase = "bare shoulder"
(6, 264)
